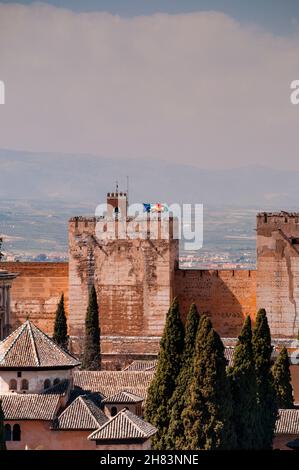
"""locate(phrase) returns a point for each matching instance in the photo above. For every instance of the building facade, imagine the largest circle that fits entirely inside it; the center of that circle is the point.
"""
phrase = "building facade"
(137, 276)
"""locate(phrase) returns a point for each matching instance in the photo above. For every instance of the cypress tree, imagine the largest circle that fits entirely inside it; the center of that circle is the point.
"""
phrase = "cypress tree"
(163, 383)
(92, 353)
(282, 380)
(2, 433)
(208, 415)
(244, 390)
(267, 403)
(176, 433)
(60, 327)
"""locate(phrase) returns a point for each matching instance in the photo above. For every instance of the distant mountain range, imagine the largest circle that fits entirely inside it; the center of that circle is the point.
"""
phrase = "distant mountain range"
(71, 178)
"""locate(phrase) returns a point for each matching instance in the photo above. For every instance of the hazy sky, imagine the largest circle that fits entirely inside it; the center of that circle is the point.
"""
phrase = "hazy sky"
(210, 88)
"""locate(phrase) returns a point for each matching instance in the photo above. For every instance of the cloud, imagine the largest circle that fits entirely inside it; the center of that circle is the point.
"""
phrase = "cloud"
(195, 88)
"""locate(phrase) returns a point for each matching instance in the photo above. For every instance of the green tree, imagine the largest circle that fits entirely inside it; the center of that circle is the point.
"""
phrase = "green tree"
(163, 383)
(267, 402)
(92, 352)
(244, 390)
(176, 432)
(282, 380)
(2, 434)
(60, 335)
(208, 415)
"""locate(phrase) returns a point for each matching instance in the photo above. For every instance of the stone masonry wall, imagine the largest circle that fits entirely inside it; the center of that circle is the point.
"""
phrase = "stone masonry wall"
(278, 271)
(226, 296)
(36, 292)
(133, 279)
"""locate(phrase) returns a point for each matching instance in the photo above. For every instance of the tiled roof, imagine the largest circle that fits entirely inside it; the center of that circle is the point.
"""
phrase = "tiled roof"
(287, 422)
(29, 347)
(141, 365)
(82, 413)
(123, 397)
(111, 382)
(29, 406)
(124, 425)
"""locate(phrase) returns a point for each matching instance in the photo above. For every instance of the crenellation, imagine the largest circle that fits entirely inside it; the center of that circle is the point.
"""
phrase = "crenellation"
(136, 279)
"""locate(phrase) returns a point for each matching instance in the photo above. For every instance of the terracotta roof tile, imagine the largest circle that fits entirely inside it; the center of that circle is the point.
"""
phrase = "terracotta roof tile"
(109, 383)
(125, 425)
(123, 397)
(29, 347)
(141, 365)
(82, 414)
(29, 406)
(287, 422)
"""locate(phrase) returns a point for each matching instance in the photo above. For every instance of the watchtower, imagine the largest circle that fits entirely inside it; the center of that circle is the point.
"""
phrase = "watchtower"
(133, 275)
(278, 271)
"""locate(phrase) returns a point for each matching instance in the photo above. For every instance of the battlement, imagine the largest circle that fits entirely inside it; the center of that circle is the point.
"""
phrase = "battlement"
(281, 217)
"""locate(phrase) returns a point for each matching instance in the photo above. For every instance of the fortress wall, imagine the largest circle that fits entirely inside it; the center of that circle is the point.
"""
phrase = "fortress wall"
(278, 271)
(226, 296)
(36, 292)
(133, 279)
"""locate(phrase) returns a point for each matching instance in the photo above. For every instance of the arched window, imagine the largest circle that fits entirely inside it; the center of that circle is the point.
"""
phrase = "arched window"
(16, 432)
(56, 381)
(24, 384)
(47, 384)
(13, 384)
(7, 432)
(113, 411)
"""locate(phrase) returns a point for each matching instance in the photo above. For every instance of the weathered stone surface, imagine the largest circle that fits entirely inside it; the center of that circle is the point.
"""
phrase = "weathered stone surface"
(36, 292)
(226, 296)
(278, 271)
(133, 279)
(136, 278)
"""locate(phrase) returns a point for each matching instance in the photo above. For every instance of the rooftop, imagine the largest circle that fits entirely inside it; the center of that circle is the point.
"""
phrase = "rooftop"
(123, 397)
(287, 422)
(82, 413)
(142, 365)
(125, 425)
(29, 406)
(109, 383)
(28, 347)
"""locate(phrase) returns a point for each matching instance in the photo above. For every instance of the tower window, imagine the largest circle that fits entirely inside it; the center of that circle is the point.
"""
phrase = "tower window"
(16, 432)
(47, 384)
(113, 411)
(56, 381)
(24, 384)
(13, 384)
(7, 432)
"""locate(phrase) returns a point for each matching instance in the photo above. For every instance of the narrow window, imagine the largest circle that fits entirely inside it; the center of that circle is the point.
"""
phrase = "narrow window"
(16, 432)
(7, 432)
(24, 384)
(47, 384)
(13, 385)
(113, 411)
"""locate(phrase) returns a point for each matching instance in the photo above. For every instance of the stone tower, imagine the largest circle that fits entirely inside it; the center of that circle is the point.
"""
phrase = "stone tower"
(133, 274)
(278, 271)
